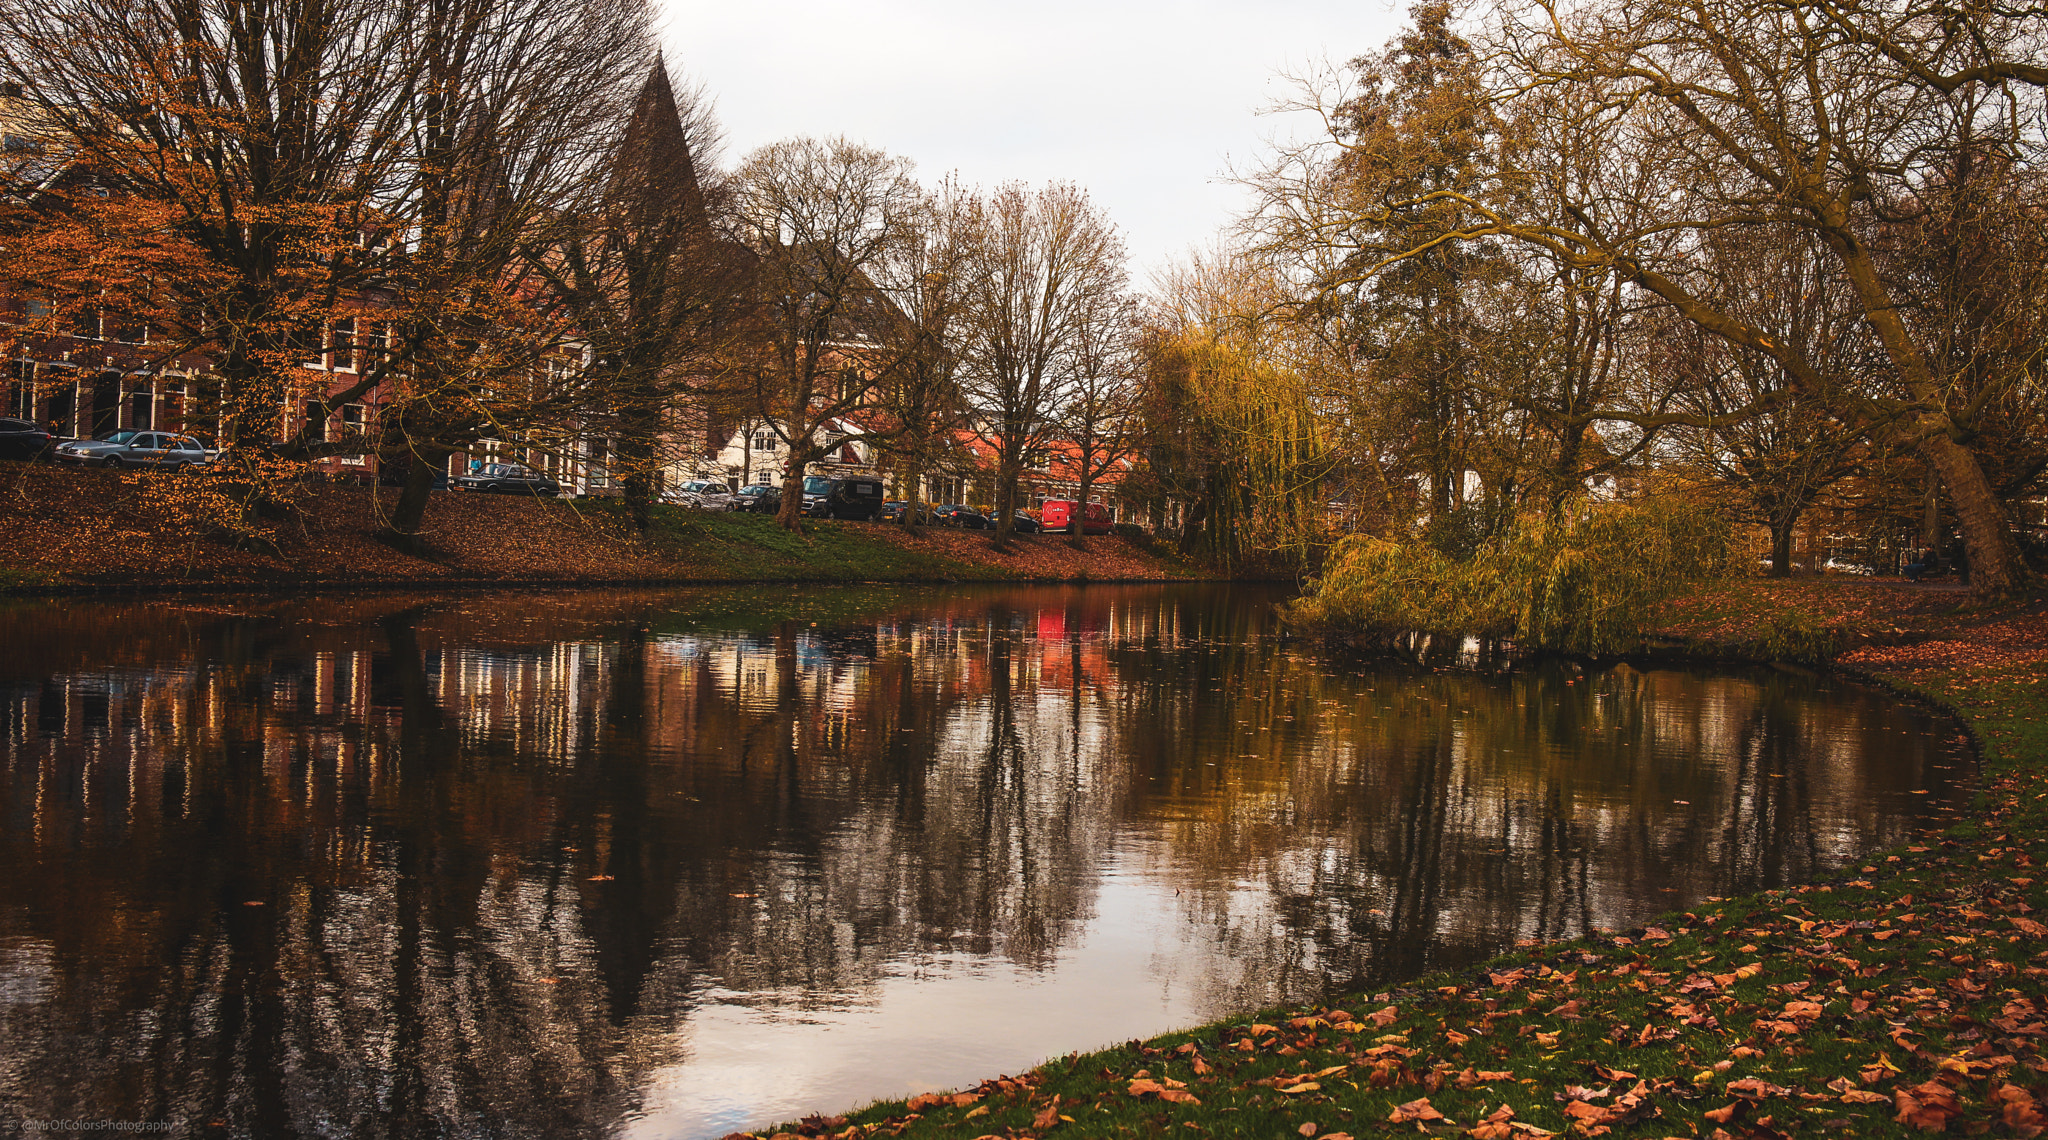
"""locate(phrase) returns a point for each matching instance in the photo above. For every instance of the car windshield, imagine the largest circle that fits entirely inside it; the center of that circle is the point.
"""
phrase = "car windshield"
(756, 489)
(817, 485)
(114, 437)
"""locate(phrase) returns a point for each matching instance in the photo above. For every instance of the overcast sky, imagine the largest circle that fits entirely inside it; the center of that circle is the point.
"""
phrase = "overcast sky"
(1144, 103)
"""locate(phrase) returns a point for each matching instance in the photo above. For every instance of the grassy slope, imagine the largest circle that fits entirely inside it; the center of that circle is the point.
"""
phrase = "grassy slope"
(1911, 998)
(100, 528)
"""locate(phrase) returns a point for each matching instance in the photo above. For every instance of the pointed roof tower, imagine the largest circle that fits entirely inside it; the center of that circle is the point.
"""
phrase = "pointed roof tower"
(655, 168)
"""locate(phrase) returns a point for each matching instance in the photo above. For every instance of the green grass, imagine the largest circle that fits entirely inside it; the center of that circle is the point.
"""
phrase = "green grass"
(20, 580)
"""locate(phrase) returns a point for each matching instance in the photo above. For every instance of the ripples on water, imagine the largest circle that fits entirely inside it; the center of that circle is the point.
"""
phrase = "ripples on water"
(670, 864)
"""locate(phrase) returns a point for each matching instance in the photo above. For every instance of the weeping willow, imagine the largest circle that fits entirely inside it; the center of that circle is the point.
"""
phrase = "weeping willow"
(1587, 582)
(1237, 441)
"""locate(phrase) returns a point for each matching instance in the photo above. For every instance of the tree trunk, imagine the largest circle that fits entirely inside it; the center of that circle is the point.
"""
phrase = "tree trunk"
(634, 452)
(1080, 516)
(1006, 500)
(791, 513)
(1782, 525)
(1930, 513)
(402, 529)
(912, 497)
(1996, 569)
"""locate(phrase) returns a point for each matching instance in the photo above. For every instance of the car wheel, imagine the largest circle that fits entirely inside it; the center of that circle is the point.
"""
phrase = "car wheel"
(113, 461)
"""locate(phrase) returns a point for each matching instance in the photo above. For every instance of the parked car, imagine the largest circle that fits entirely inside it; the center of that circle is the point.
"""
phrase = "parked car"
(1061, 515)
(1845, 566)
(152, 449)
(1023, 523)
(703, 494)
(20, 439)
(849, 498)
(759, 498)
(893, 511)
(964, 517)
(506, 478)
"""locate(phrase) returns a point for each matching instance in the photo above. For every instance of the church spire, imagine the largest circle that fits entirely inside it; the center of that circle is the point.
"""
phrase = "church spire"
(655, 165)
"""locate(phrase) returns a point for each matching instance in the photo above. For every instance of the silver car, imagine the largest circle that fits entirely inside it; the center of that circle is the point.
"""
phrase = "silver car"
(136, 449)
(703, 494)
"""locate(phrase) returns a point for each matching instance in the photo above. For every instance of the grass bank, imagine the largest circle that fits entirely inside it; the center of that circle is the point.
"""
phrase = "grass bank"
(110, 530)
(1906, 998)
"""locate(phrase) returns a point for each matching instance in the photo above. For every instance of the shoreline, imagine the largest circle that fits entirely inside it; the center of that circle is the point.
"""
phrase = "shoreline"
(1908, 995)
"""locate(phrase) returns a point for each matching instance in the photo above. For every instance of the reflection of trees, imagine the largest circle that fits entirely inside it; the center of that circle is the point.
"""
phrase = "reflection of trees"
(504, 846)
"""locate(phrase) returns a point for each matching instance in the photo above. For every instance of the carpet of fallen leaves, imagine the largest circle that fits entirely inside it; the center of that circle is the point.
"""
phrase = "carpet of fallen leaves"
(108, 529)
(1907, 998)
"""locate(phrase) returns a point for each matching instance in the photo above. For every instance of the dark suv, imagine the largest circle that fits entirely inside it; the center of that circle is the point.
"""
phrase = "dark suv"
(859, 497)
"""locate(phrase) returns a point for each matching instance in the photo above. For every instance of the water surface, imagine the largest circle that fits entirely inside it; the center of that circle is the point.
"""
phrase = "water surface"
(668, 864)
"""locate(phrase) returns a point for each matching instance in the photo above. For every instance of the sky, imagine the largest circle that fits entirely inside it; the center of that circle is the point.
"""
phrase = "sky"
(1148, 105)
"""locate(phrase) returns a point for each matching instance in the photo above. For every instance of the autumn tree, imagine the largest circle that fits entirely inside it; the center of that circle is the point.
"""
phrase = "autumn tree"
(1760, 114)
(654, 291)
(1098, 417)
(821, 218)
(930, 279)
(351, 178)
(1046, 261)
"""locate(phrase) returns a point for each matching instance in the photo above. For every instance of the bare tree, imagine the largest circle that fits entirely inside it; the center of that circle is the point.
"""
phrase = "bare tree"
(653, 289)
(822, 217)
(930, 278)
(1046, 258)
(357, 176)
(1100, 414)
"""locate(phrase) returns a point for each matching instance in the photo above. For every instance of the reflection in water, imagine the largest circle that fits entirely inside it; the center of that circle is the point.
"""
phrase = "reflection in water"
(674, 863)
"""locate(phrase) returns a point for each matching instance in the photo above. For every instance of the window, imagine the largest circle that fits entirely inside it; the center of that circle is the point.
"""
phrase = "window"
(85, 325)
(125, 329)
(141, 409)
(764, 441)
(341, 350)
(316, 422)
(352, 425)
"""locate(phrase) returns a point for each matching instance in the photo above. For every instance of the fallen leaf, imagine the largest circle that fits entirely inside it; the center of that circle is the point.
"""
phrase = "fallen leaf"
(1414, 1110)
(1929, 1106)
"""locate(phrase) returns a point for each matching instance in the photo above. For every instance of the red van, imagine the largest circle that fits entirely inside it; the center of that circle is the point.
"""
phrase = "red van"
(1058, 514)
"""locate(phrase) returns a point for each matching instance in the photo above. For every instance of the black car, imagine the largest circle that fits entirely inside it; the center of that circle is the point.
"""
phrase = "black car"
(964, 517)
(893, 511)
(20, 439)
(759, 498)
(1022, 523)
(850, 498)
(506, 478)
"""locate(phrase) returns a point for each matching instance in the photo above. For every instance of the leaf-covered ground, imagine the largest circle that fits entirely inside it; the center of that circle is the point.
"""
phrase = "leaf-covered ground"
(95, 528)
(1909, 999)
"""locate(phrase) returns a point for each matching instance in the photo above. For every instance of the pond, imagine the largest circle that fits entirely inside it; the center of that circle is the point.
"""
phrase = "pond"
(674, 863)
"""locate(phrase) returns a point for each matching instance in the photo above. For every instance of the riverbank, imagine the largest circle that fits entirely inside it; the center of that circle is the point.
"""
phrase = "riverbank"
(100, 530)
(1908, 996)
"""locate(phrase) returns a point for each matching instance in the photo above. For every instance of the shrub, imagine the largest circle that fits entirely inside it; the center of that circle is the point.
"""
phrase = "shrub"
(1589, 583)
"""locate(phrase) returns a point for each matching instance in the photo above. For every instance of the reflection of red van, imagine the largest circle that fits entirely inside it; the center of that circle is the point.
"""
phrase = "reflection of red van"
(1058, 514)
